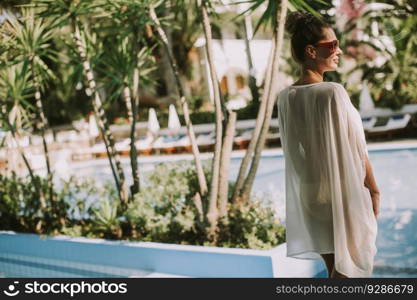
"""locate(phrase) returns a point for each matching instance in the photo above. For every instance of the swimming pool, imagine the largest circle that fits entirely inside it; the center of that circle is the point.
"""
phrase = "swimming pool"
(394, 170)
(395, 175)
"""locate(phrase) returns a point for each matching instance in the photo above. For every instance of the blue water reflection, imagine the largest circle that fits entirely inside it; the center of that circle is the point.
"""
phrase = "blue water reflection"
(395, 174)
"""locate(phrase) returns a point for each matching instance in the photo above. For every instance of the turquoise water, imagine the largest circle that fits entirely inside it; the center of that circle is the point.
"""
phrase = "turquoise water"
(395, 174)
(397, 236)
(394, 171)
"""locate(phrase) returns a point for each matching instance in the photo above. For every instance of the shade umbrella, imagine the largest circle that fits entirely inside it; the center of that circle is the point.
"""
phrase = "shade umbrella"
(153, 124)
(174, 123)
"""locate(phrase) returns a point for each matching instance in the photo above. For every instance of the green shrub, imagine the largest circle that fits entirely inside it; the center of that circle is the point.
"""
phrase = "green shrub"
(163, 211)
(23, 207)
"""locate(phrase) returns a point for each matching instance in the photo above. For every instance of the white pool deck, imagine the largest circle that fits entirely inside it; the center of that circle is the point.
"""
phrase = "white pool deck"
(31, 255)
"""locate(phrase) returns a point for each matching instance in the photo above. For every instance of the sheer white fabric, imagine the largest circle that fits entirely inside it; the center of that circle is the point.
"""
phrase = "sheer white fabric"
(328, 208)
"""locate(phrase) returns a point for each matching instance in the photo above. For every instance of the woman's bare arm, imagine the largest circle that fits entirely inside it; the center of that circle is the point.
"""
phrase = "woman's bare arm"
(370, 183)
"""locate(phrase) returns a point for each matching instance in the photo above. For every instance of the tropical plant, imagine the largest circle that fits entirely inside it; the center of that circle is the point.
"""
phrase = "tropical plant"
(220, 113)
(128, 61)
(163, 211)
(180, 21)
(70, 12)
(106, 218)
(32, 44)
(21, 210)
(168, 48)
(15, 90)
(391, 38)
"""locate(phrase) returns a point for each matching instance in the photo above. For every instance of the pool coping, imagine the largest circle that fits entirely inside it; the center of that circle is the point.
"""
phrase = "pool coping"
(150, 259)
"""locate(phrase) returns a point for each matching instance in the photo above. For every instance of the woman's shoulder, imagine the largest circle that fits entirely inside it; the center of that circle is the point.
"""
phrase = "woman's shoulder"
(323, 88)
(330, 86)
(332, 90)
(324, 85)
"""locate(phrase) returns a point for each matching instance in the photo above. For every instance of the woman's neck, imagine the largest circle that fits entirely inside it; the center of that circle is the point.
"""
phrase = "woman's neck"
(309, 76)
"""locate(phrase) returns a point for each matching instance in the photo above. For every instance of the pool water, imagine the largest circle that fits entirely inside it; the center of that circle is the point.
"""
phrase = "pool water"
(395, 175)
(394, 171)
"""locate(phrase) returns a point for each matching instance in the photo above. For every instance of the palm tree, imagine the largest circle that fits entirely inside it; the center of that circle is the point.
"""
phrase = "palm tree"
(213, 212)
(33, 36)
(182, 36)
(124, 68)
(69, 12)
(227, 147)
(128, 61)
(15, 90)
(270, 94)
(196, 153)
(247, 25)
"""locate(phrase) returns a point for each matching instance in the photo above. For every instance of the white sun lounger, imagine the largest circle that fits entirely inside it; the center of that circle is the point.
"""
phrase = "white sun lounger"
(168, 144)
(368, 122)
(144, 145)
(206, 139)
(395, 122)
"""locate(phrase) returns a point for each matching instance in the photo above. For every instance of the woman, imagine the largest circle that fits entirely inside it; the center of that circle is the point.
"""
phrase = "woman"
(332, 199)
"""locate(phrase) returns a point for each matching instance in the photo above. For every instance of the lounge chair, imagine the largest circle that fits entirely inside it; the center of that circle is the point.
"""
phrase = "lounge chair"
(99, 150)
(389, 125)
(242, 140)
(273, 137)
(395, 122)
(184, 144)
(368, 122)
(206, 140)
(168, 144)
(67, 136)
(123, 147)
(144, 144)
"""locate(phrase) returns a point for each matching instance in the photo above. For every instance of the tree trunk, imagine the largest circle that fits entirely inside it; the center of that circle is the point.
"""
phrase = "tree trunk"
(252, 80)
(258, 124)
(26, 162)
(191, 135)
(271, 96)
(130, 106)
(42, 124)
(165, 64)
(225, 163)
(212, 214)
(22, 154)
(101, 117)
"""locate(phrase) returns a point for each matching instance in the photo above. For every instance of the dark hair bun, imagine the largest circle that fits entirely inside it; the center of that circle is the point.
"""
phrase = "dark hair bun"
(304, 29)
(298, 20)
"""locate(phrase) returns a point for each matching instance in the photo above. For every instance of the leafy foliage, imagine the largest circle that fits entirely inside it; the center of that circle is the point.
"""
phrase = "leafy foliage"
(164, 211)
(391, 37)
(22, 210)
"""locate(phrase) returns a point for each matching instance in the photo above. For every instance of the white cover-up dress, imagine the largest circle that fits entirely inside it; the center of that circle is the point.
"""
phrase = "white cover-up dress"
(328, 208)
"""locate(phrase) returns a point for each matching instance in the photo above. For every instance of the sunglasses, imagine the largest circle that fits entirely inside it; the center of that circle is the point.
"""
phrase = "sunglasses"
(332, 46)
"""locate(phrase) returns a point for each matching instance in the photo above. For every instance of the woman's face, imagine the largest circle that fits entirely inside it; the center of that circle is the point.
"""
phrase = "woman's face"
(325, 53)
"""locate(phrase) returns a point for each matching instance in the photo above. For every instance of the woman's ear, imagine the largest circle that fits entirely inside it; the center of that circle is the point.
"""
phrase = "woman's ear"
(310, 51)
